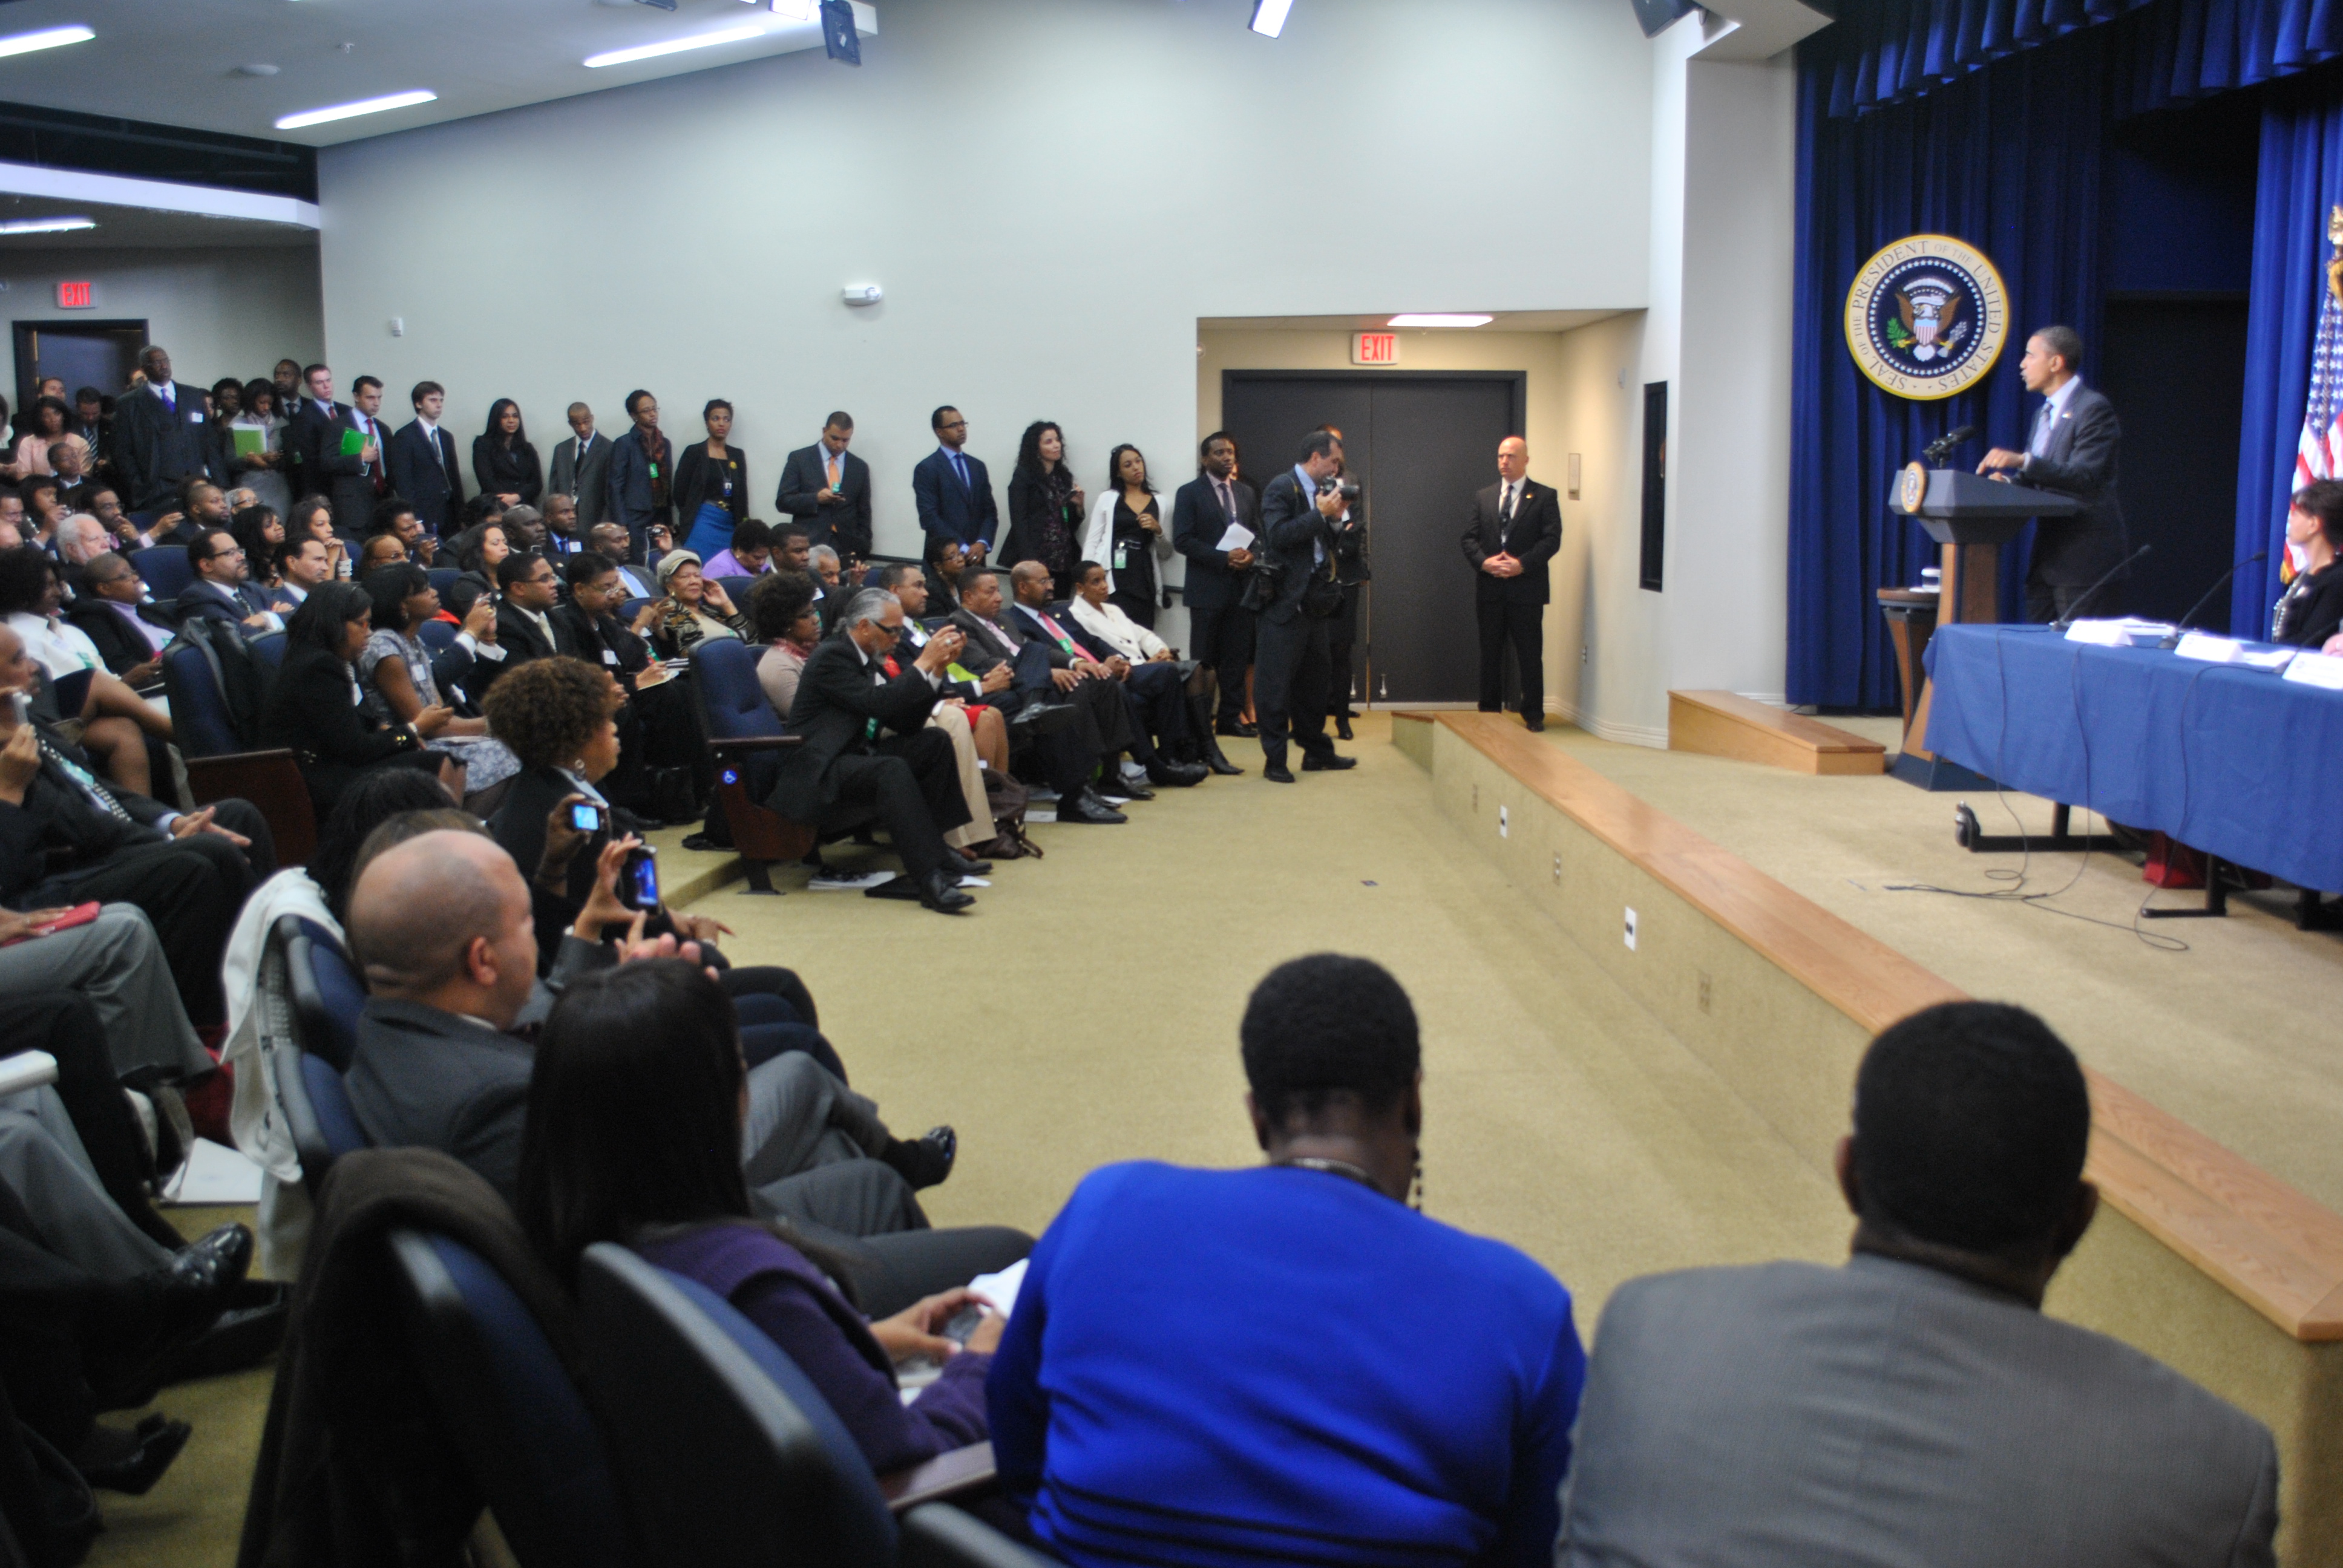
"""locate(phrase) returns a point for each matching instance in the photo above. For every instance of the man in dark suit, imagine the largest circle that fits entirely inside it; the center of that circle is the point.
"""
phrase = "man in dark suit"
(1300, 525)
(355, 482)
(526, 627)
(954, 491)
(581, 468)
(316, 415)
(1044, 675)
(222, 590)
(844, 700)
(128, 631)
(1220, 629)
(1514, 529)
(67, 837)
(161, 433)
(2071, 452)
(827, 488)
(639, 483)
(423, 465)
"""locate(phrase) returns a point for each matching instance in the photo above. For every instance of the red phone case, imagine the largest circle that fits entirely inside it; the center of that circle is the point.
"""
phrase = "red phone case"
(79, 915)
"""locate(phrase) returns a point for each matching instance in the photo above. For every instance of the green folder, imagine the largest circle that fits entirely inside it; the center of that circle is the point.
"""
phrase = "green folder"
(249, 443)
(352, 443)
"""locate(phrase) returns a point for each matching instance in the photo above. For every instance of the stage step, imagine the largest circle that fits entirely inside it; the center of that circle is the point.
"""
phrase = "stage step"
(1724, 724)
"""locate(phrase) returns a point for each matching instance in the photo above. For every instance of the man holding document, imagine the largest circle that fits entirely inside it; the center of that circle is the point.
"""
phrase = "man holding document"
(1514, 530)
(1215, 520)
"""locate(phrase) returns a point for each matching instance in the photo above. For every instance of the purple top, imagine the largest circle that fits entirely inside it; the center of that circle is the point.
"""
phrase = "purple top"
(774, 1287)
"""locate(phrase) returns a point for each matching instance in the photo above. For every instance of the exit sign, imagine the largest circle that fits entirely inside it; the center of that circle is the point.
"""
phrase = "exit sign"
(1374, 348)
(74, 297)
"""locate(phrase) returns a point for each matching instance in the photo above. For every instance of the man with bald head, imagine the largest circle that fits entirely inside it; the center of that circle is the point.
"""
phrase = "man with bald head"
(1514, 529)
(442, 926)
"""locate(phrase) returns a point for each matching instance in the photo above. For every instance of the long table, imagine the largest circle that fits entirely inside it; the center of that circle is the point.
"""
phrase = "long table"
(2237, 762)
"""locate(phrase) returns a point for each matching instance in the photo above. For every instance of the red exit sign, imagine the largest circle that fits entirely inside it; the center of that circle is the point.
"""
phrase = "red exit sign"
(1374, 348)
(74, 296)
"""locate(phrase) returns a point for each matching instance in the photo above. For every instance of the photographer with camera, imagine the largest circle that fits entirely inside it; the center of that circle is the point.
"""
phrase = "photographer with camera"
(1292, 586)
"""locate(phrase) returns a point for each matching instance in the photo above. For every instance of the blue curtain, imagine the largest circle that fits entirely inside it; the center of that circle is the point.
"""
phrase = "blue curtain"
(2301, 179)
(2009, 161)
(1883, 52)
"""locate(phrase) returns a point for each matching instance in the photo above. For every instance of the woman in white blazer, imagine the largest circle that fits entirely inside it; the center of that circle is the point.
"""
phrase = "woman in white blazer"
(1127, 533)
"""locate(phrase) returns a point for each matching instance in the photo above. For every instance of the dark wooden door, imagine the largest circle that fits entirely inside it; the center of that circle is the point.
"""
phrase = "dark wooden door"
(1421, 444)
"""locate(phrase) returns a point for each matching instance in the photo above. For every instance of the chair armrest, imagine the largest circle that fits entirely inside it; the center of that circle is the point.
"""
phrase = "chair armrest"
(271, 781)
(754, 743)
(946, 1475)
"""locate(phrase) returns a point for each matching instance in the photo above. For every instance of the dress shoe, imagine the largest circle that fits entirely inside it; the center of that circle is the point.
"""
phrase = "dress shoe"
(216, 1262)
(1279, 773)
(168, 1311)
(1219, 764)
(1041, 718)
(700, 843)
(923, 1162)
(245, 1335)
(1087, 807)
(1533, 722)
(966, 864)
(1342, 726)
(1241, 730)
(1176, 775)
(938, 890)
(1126, 790)
(132, 1462)
(1327, 762)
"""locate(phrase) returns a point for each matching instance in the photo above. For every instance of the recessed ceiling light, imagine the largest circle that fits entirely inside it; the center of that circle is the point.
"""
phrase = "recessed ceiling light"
(1439, 318)
(44, 225)
(1269, 17)
(675, 47)
(257, 68)
(46, 38)
(347, 111)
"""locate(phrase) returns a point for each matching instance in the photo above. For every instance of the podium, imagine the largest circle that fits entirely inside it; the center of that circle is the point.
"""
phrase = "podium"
(1970, 516)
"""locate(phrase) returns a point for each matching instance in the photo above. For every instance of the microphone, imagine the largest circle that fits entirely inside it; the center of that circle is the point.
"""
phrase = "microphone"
(1937, 450)
(2115, 571)
(2173, 639)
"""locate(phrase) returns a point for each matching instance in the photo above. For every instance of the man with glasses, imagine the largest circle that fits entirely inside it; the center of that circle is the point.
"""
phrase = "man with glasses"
(221, 591)
(128, 629)
(954, 491)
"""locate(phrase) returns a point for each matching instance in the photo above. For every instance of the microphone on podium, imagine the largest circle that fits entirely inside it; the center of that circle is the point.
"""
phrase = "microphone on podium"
(2173, 639)
(1937, 450)
(2113, 572)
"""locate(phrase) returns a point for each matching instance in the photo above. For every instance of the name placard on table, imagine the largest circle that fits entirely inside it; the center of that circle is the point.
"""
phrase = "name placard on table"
(2316, 669)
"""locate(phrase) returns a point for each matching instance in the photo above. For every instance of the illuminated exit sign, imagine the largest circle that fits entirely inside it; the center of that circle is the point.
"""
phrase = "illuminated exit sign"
(1374, 348)
(74, 297)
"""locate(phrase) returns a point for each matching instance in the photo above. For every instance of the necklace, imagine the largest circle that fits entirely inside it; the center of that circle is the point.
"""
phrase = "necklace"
(1342, 1168)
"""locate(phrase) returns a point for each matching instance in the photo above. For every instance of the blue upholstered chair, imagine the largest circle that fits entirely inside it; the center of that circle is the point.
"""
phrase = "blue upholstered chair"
(220, 768)
(269, 648)
(442, 578)
(165, 568)
(741, 723)
(438, 635)
(523, 1429)
(327, 991)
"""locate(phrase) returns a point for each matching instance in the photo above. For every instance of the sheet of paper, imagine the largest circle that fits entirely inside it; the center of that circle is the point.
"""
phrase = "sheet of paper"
(215, 1173)
(1001, 1289)
(2316, 669)
(1238, 538)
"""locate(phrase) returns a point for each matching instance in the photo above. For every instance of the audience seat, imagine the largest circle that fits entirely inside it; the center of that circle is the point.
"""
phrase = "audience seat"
(736, 590)
(327, 991)
(442, 579)
(511, 1410)
(740, 722)
(438, 635)
(316, 1110)
(704, 1408)
(631, 609)
(270, 648)
(219, 768)
(164, 568)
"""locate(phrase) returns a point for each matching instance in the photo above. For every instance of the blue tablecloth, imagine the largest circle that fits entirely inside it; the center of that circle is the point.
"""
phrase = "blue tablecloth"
(2234, 761)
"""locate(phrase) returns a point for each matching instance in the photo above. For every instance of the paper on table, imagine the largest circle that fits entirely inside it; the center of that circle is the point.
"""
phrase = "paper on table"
(1238, 538)
(215, 1173)
(2316, 669)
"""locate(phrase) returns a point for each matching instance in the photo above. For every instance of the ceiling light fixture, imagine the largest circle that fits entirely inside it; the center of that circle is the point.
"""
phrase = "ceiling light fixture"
(674, 47)
(46, 38)
(1438, 318)
(1269, 17)
(346, 111)
(46, 224)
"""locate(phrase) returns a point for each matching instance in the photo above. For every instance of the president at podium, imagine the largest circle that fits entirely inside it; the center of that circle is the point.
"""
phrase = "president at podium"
(2070, 452)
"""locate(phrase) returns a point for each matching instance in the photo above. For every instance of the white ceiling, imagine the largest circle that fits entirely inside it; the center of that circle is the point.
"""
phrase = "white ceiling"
(173, 62)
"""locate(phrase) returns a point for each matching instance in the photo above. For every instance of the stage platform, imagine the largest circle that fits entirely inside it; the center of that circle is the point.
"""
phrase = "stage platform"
(1779, 923)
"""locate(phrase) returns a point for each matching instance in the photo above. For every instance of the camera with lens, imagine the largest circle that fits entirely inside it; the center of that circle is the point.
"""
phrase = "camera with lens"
(1343, 485)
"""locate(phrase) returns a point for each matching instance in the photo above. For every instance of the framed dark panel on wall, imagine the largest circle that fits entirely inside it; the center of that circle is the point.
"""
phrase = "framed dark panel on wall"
(1656, 482)
(80, 353)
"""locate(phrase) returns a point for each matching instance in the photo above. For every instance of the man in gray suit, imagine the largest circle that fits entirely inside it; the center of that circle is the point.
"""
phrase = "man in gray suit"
(580, 467)
(1914, 1406)
(2071, 451)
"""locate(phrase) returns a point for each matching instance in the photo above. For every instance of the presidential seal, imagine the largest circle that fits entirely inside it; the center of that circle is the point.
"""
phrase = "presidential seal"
(1927, 316)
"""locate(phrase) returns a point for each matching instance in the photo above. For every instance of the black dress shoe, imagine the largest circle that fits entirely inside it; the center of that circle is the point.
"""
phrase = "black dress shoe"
(132, 1467)
(1279, 773)
(937, 891)
(215, 1262)
(244, 1336)
(1042, 718)
(1219, 764)
(702, 843)
(1176, 775)
(923, 1162)
(1342, 726)
(1328, 763)
(169, 1310)
(1241, 730)
(1126, 790)
(1534, 723)
(1088, 807)
(966, 864)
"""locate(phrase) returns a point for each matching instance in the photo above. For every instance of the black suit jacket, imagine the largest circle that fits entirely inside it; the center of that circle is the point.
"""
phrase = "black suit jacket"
(352, 485)
(426, 473)
(310, 711)
(205, 600)
(951, 510)
(604, 640)
(837, 698)
(1197, 524)
(844, 525)
(1293, 532)
(155, 446)
(421, 1078)
(521, 641)
(2080, 461)
(1532, 539)
(584, 482)
(59, 828)
(305, 435)
(118, 643)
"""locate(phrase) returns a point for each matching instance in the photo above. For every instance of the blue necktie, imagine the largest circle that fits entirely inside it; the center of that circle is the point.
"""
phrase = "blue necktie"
(960, 464)
(162, 390)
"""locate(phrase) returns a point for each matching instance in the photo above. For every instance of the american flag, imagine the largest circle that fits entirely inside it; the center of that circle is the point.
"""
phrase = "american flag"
(2319, 455)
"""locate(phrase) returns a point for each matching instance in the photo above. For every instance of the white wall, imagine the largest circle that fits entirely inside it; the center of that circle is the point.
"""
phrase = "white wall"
(1052, 194)
(219, 312)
